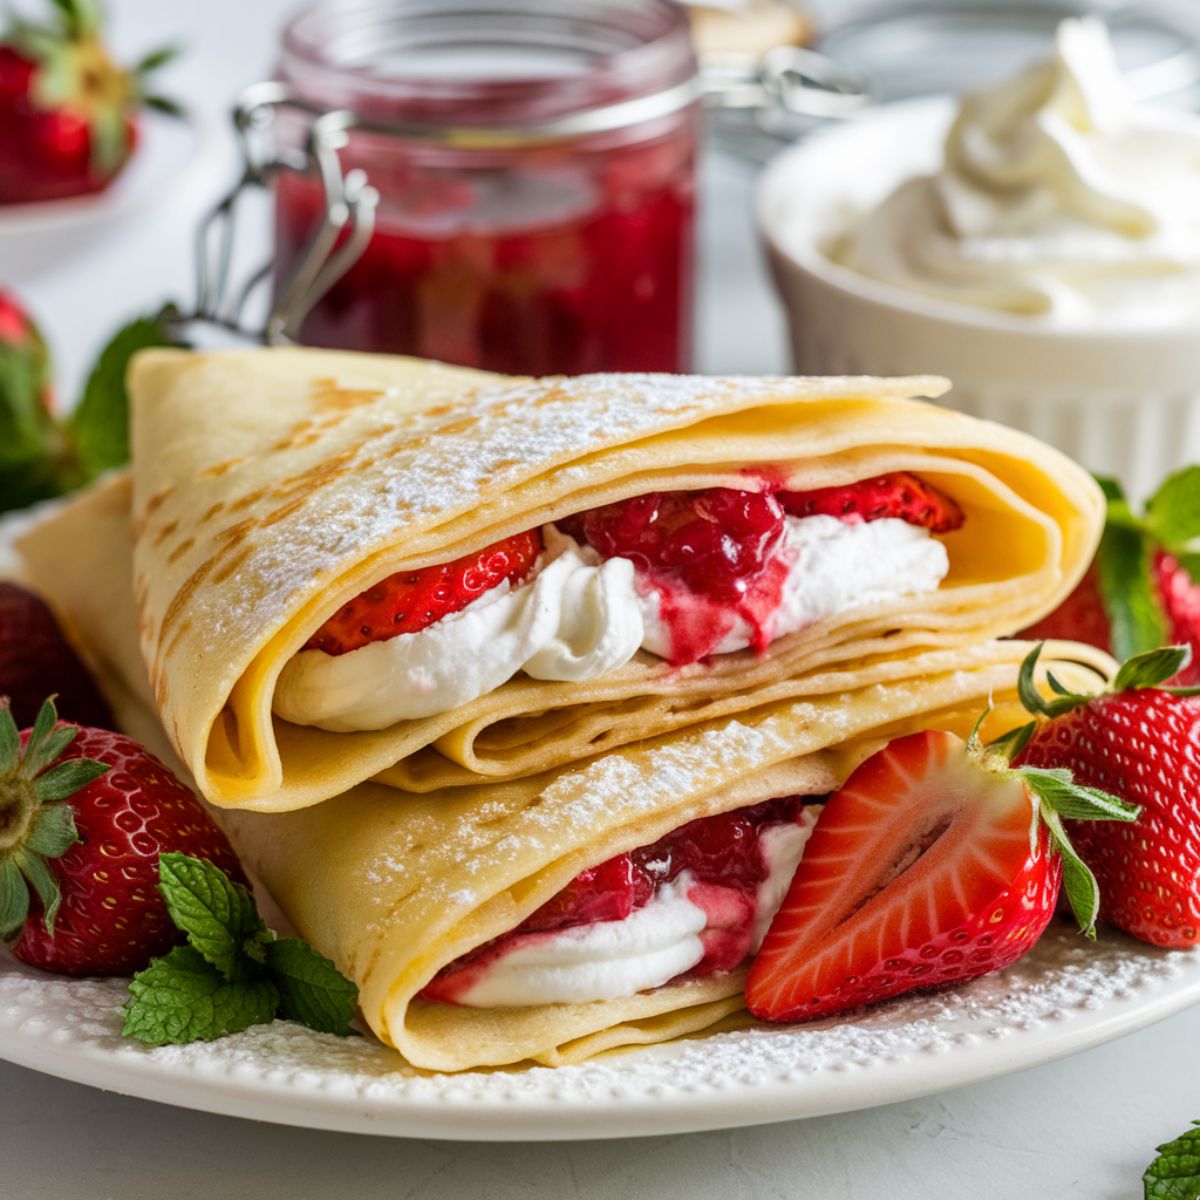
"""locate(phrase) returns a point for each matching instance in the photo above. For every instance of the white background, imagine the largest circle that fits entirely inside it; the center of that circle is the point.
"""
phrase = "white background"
(1085, 1127)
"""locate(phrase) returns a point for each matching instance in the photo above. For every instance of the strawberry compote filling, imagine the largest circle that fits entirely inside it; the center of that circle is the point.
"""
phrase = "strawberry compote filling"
(682, 576)
(726, 874)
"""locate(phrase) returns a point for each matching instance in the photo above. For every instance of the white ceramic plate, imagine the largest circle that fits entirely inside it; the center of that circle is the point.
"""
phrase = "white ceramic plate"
(1067, 995)
(173, 156)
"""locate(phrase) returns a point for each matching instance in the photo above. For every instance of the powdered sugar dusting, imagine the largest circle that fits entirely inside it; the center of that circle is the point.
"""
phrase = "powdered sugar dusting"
(1053, 1000)
(400, 467)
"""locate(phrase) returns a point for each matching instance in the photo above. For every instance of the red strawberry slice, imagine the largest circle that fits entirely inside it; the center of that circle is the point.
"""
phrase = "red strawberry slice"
(928, 867)
(1142, 742)
(84, 815)
(899, 495)
(413, 600)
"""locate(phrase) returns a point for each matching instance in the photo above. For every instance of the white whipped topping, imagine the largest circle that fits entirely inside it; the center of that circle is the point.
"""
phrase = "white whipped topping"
(576, 619)
(1060, 196)
(580, 617)
(608, 960)
(833, 566)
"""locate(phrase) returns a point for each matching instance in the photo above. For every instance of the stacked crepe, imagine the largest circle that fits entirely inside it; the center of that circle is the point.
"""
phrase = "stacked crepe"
(271, 487)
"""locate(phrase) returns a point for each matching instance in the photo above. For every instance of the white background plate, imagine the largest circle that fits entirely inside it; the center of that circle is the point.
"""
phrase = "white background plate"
(1065, 996)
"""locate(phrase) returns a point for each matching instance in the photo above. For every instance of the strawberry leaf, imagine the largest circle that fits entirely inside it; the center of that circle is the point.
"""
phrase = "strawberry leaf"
(1151, 668)
(217, 914)
(14, 899)
(1083, 892)
(1124, 572)
(164, 105)
(99, 426)
(156, 59)
(10, 740)
(312, 990)
(54, 831)
(43, 747)
(1173, 512)
(1175, 1173)
(42, 880)
(182, 997)
(67, 778)
(1076, 801)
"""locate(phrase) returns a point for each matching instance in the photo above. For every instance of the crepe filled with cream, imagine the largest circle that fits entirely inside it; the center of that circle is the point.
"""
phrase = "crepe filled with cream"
(280, 496)
(605, 904)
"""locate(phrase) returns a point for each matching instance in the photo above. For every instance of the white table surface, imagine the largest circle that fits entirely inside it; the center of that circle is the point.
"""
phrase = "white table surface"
(1083, 1127)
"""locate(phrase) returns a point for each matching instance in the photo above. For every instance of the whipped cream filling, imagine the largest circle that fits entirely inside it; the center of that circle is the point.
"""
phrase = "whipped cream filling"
(581, 617)
(608, 960)
(1060, 196)
(576, 619)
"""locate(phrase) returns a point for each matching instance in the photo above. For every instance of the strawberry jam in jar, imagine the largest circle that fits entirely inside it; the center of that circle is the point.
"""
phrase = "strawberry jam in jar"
(535, 167)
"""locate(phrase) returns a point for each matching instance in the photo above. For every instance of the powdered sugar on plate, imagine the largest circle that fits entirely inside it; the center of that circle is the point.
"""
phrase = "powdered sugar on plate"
(1065, 995)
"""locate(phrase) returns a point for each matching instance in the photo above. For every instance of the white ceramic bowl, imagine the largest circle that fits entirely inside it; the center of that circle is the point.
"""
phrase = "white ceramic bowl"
(1122, 402)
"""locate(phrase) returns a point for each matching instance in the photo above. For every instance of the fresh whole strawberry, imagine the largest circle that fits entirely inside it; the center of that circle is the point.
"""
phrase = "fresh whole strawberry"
(68, 112)
(900, 495)
(35, 656)
(84, 815)
(1141, 741)
(934, 863)
(412, 600)
(1143, 589)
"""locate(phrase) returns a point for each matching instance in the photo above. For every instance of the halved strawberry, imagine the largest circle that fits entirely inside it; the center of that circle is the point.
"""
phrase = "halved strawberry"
(1142, 741)
(412, 600)
(934, 863)
(900, 495)
(1143, 588)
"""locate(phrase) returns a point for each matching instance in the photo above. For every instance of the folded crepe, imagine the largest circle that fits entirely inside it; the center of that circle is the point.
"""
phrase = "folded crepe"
(409, 894)
(273, 491)
(396, 893)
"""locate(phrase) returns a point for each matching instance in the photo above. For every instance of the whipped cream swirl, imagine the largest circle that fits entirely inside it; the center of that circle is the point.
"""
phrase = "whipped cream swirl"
(1060, 197)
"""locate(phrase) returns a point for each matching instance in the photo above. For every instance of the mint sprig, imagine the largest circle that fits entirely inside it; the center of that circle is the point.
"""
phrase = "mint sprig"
(234, 972)
(1175, 1173)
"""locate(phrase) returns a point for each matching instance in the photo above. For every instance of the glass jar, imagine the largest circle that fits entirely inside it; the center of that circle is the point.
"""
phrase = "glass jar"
(535, 167)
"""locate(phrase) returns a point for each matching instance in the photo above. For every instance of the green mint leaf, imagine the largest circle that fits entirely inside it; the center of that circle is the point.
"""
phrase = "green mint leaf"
(1075, 801)
(14, 899)
(217, 914)
(1173, 512)
(1130, 598)
(183, 998)
(313, 991)
(1175, 1173)
(67, 778)
(53, 832)
(1151, 668)
(1083, 892)
(99, 426)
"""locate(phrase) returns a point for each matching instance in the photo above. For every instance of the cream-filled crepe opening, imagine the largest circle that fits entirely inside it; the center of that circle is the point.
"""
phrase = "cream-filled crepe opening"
(697, 903)
(1060, 196)
(682, 577)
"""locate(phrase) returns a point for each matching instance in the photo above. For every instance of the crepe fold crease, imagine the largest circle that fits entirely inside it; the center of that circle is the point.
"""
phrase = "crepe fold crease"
(270, 487)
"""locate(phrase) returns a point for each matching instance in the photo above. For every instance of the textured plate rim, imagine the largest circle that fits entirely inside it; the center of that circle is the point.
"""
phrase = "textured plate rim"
(1171, 982)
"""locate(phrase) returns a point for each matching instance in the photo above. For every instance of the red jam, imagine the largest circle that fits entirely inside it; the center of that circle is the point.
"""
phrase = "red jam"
(535, 166)
(552, 268)
(723, 854)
